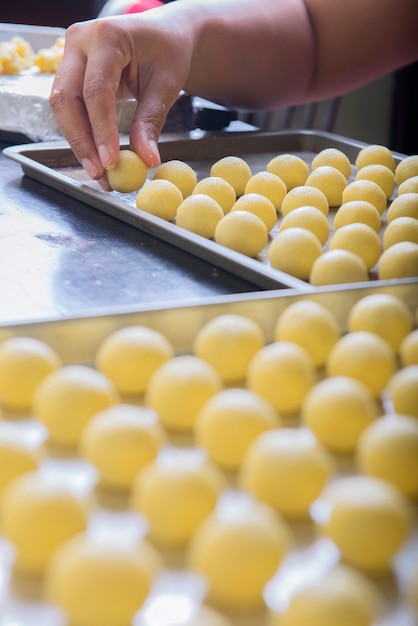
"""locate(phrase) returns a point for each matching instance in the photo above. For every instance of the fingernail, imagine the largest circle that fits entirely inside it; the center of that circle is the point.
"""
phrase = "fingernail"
(154, 153)
(105, 157)
(90, 168)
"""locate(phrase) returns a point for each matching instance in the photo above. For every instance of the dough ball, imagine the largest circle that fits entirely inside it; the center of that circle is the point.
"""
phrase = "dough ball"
(388, 449)
(219, 189)
(282, 372)
(234, 170)
(227, 545)
(380, 174)
(229, 342)
(399, 261)
(366, 191)
(405, 205)
(294, 251)
(330, 181)
(179, 388)
(364, 356)
(337, 410)
(159, 197)
(305, 195)
(360, 239)
(120, 441)
(400, 229)
(38, 515)
(338, 266)
(292, 169)
(335, 158)
(357, 211)
(101, 582)
(408, 349)
(179, 173)
(402, 390)
(310, 218)
(375, 154)
(287, 468)
(176, 493)
(260, 205)
(129, 174)
(407, 168)
(410, 185)
(230, 421)
(384, 314)
(243, 232)
(24, 363)
(268, 185)
(17, 457)
(310, 325)
(369, 520)
(68, 398)
(199, 214)
(129, 356)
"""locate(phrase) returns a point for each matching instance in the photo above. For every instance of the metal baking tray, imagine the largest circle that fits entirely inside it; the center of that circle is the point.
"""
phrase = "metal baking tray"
(77, 341)
(55, 165)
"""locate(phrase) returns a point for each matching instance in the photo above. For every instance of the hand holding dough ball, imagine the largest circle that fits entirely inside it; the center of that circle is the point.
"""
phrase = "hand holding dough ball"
(305, 195)
(403, 391)
(337, 410)
(368, 519)
(308, 217)
(399, 261)
(120, 441)
(407, 168)
(230, 421)
(335, 158)
(219, 189)
(98, 582)
(287, 468)
(227, 546)
(293, 170)
(234, 170)
(268, 185)
(179, 173)
(179, 388)
(160, 198)
(228, 342)
(129, 174)
(330, 181)
(24, 363)
(400, 229)
(176, 493)
(38, 515)
(129, 356)
(367, 191)
(68, 398)
(359, 239)
(379, 174)
(259, 205)
(338, 266)
(294, 251)
(199, 214)
(375, 154)
(243, 232)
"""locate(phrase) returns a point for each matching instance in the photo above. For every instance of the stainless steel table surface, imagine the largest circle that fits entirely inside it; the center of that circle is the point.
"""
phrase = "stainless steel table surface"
(60, 257)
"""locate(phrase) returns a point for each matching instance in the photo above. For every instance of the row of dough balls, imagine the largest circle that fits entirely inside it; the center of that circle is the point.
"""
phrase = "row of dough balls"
(18, 55)
(240, 210)
(238, 430)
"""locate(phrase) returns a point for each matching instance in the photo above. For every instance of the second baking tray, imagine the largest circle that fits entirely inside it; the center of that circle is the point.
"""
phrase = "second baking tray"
(55, 165)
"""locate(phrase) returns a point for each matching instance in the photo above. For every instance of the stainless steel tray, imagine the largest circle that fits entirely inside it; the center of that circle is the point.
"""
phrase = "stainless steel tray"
(55, 165)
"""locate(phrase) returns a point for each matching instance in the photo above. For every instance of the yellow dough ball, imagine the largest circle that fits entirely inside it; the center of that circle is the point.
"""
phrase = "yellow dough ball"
(360, 239)
(403, 391)
(228, 342)
(343, 596)
(399, 261)
(219, 189)
(230, 421)
(294, 251)
(260, 206)
(368, 519)
(24, 363)
(282, 372)
(176, 493)
(375, 154)
(101, 581)
(381, 175)
(310, 218)
(120, 441)
(405, 205)
(338, 266)
(17, 457)
(330, 181)
(365, 356)
(400, 229)
(268, 185)
(312, 326)
(305, 195)
(38, 515)
(243, 232)
(227, 546)
(179, 388)
(337, 410)
(357, 211)
(129, 356)
(408, 349)
(368, 191)
(129, 174)
(293, 170)
(179, 173)
(407, 168)
(200, 214)
(410, 185)
(234, 170)
(287, 468)
(159, 197)
(68, 398)
(334, 157)
(388, 449)
(384, 314)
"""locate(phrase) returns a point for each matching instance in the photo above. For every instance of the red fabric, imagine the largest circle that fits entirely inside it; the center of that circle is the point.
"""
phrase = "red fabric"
(143, 5)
